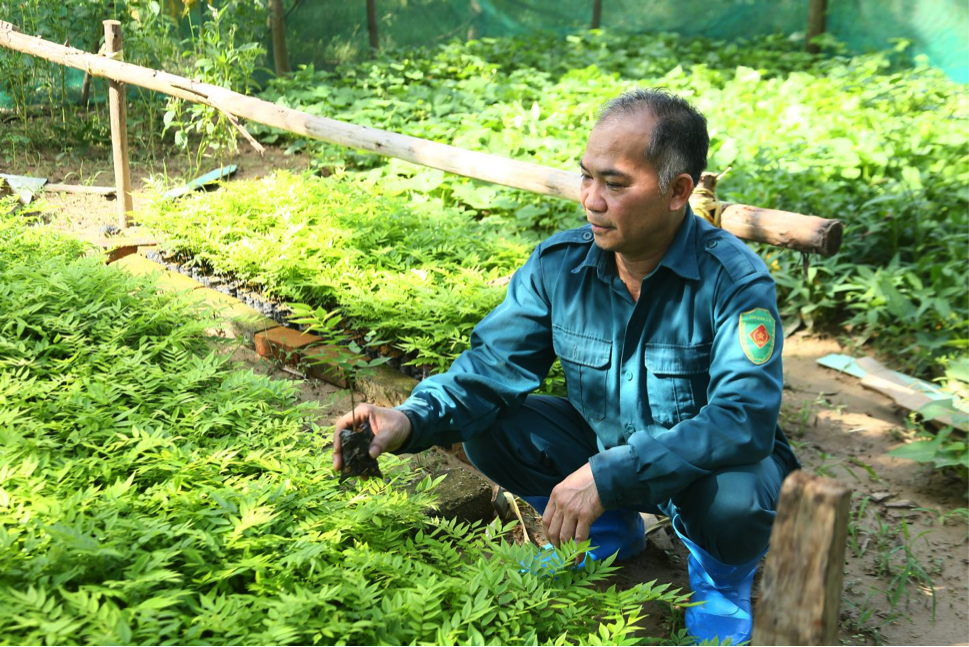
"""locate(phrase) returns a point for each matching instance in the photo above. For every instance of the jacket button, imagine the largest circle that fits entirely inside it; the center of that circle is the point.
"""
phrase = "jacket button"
(629, 376)
(629, 427)
(586, 235)
(712, 244)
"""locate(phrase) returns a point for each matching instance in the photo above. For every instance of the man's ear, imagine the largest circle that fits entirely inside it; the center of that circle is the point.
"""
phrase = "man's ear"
(681, 188)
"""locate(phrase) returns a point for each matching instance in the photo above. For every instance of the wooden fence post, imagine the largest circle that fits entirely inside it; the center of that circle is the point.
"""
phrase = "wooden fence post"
(815, 24)
(119, 126)
(372, 27)
(596, 13)
(280, 53)
(473, 31)
(800, 595)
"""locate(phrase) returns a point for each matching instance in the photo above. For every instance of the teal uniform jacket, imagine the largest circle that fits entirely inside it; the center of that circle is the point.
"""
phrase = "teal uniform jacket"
(683, 382)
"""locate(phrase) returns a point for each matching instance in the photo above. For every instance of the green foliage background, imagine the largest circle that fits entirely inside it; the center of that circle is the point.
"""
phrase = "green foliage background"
(865, 139)
(152, 493)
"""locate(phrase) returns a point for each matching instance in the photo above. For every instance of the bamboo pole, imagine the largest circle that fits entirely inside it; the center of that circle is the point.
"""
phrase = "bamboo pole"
(803, 233)
(119, 126)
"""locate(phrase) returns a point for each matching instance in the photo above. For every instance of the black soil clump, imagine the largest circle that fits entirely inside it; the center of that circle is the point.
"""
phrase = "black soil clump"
(355, 450)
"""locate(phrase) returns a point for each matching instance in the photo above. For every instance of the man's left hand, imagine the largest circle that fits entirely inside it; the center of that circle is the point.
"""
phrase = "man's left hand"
(572, 507)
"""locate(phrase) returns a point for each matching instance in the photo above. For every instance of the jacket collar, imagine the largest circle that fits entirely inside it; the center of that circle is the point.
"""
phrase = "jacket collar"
(680, 258)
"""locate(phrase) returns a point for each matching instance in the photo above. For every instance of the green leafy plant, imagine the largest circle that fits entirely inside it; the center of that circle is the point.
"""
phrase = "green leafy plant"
(222, 47)
(217, 59)
(941, 449)
(339, 350)
(843, 149)
(420, 275)
(151, 492)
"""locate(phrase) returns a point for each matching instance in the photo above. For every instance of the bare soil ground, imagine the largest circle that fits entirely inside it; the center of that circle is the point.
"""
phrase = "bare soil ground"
(907, 563)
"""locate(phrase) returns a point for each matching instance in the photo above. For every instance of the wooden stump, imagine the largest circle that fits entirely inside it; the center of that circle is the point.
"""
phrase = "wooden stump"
(801, 591)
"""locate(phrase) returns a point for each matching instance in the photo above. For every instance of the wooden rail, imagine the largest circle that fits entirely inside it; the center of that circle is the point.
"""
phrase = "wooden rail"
(782, 228)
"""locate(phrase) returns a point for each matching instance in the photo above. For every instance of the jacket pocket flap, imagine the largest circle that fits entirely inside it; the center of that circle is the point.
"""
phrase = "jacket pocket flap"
(674, 359)
(580, 348)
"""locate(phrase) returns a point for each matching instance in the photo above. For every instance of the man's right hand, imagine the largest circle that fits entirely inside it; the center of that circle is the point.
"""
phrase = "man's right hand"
(391, 429)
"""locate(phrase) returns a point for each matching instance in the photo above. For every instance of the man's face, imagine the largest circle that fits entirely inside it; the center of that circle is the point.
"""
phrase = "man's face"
(620, 190)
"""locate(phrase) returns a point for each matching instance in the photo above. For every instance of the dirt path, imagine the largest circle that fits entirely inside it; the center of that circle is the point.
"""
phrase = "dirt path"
(908, 529)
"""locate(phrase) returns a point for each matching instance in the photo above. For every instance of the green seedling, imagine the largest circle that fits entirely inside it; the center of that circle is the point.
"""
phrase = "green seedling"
(423, 282)
(348, 358)
(152, 492)
(945, 449)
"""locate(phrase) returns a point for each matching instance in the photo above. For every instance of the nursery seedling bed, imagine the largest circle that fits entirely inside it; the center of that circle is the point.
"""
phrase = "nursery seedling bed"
(836, 425)
(847, 428)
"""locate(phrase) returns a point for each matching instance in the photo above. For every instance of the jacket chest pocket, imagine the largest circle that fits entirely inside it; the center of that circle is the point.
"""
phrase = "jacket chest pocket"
(585, 361)
(677, 377)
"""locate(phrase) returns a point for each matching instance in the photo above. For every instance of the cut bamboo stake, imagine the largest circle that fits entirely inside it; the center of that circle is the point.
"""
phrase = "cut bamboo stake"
(596, 13)
(119, 126)
(803, 233)
(510, 498)
(801, 590)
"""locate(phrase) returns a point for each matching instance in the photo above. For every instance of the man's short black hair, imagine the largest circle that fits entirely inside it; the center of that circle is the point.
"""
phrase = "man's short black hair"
(679, 142)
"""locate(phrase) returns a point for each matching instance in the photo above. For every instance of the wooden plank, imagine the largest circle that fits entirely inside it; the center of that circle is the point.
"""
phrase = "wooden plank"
(775, 227)
(117, 102)
(81, 188)
(909, 393)
(800, 594)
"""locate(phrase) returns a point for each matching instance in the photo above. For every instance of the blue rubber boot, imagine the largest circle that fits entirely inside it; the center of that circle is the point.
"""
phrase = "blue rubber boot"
(616, 530)
(724, 590)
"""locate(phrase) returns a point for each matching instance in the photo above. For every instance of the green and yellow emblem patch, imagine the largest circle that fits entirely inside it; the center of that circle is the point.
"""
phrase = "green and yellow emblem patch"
(757, 335)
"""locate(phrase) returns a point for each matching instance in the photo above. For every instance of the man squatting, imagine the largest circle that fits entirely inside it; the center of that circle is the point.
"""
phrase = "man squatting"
(668, 333)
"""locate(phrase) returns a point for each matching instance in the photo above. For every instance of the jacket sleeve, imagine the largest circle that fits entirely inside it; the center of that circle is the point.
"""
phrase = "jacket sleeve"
(736, 427)
(511, 353)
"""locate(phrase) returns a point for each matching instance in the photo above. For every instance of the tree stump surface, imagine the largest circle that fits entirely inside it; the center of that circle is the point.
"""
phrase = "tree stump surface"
(801, 590)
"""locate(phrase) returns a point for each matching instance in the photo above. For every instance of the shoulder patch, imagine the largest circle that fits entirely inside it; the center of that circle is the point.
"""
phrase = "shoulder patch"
(757, 332)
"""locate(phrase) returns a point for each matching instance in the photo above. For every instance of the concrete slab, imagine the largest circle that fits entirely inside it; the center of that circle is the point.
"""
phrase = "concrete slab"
(237, 319)
(118, 248)
(386, 387)
(464, 495)
(167, 280)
